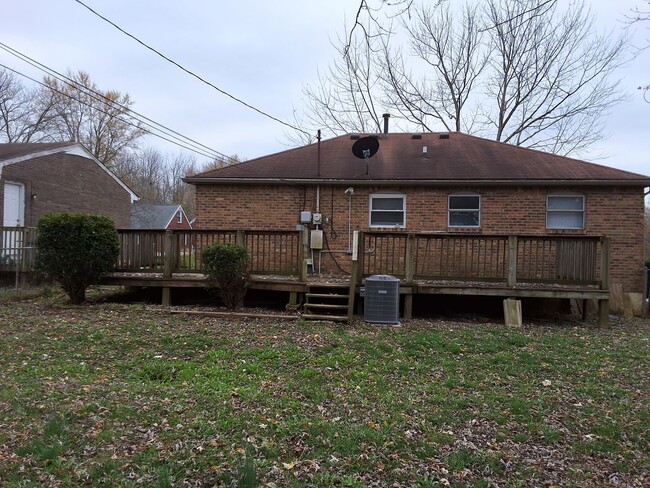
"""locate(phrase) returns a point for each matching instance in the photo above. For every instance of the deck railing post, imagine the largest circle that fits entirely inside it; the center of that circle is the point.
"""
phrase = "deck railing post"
(168, 265)
(168, 254)
(512, 261)
(409, 271)
(361, 257)
(352, 292)
(302, 262)
(605, 261)
(605, 257)
(240, 238)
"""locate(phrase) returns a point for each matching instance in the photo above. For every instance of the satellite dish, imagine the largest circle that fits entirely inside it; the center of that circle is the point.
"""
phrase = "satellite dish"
(366, 147)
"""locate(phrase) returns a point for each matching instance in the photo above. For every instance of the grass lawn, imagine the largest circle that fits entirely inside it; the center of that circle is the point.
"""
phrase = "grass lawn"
(128, 395)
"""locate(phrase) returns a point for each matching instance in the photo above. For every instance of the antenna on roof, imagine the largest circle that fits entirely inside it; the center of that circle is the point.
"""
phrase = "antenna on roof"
(365, 148)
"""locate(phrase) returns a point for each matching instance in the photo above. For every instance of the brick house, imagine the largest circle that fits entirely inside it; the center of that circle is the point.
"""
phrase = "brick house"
(37, 178)
(159, 217)
(430, 182)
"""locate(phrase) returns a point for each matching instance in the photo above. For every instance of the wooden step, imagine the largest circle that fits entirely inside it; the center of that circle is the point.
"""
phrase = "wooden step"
(329, 285)
(326, 295)
(331, 306)
(334, 318)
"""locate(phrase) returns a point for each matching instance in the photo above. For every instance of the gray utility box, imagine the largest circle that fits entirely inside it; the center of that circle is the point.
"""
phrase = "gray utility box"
(381, 300)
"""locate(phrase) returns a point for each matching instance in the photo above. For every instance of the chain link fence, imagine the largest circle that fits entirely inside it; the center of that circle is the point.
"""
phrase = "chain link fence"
(17, 258)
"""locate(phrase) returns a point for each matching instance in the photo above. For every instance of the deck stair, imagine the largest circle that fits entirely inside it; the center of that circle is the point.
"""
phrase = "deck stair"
(327, 301)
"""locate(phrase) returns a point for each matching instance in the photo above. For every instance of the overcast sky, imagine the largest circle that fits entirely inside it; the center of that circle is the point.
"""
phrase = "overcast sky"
(260, 51)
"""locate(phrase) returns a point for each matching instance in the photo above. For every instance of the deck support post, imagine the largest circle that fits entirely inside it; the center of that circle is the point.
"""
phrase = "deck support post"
(603, 314)
(512, 261)
(408, 306)
(512, 312)
(166, 296)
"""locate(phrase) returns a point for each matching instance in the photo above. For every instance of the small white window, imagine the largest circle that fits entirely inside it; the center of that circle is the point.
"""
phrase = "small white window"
(565, 212)
(464, 211)
(180, 217)
(387, 210)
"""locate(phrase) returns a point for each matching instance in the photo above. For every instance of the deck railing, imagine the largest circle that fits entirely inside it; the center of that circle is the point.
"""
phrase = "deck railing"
(562, 260)
(17, 256)
(17, 248)
(507, 259)
(180, 251)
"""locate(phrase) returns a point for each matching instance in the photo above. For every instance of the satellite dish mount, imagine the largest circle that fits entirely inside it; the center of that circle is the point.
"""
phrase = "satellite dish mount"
(365, 148)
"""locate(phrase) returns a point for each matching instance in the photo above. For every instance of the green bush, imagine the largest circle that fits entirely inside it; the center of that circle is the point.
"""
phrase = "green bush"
(76, 249)
(226, 266)
(647, 263)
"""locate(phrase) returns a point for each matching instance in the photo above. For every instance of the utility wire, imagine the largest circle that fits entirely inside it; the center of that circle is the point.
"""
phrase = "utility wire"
(191, 73)
(182, 144)
(213, 153)
(128, 122)
(242, 166)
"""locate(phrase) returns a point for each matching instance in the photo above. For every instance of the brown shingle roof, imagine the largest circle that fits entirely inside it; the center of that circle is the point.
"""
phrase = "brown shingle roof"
(458, 158)
(16, 150)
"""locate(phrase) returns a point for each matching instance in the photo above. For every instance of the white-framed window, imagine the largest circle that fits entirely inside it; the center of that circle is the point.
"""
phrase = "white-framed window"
(180, 217)
(565, 212)
(464, 210)
(387, 210)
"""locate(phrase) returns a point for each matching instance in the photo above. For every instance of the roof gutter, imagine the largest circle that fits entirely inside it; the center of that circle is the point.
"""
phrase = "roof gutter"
(312, 181)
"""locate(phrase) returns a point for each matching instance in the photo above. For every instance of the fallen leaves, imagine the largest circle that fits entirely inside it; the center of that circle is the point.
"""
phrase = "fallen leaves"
(437, 402)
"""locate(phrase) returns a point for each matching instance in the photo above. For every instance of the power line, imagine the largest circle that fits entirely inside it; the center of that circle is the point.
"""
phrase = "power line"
(49, 71)
(191, 73)
(128, 122)
(232, 160)
(102, 98)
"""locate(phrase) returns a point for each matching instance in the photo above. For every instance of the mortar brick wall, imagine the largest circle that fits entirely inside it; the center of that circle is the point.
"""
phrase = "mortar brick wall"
(615, 212)
(65, 182)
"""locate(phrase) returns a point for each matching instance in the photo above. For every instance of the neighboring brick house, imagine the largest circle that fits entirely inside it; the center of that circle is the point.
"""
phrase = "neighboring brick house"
(159, 217)
(38, 178)
(431, 182)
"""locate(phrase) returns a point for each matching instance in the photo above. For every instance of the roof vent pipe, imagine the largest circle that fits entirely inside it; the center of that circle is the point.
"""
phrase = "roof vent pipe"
(386, 117)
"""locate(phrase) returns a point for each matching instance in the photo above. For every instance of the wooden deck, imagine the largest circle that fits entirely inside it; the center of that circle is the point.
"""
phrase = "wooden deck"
(571, 267)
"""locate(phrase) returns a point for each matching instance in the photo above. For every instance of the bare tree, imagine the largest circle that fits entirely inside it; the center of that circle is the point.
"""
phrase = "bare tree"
(348, 96)
(157, 177)
(518, 71)
(641, 15)
(22, 119)
(453, 60)
(219, 162)
(550, 75)
(98, 119)
(344, 99)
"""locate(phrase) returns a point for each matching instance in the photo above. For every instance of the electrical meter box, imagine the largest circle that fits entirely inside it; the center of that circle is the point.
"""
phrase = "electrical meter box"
(316, 241)
(305, 217)
(316, 218)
